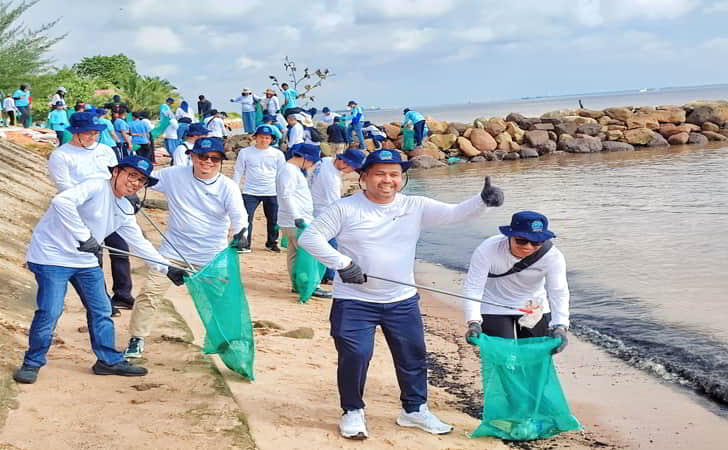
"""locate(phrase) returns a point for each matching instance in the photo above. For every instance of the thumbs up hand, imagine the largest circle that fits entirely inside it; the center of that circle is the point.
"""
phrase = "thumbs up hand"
(491, 195)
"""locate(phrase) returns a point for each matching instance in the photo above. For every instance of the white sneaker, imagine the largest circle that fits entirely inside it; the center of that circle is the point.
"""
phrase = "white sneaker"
(424, 420)
(353, 425)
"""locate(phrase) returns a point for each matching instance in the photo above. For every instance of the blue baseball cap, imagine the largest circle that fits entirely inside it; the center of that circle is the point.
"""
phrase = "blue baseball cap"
(197, 129)
(170, 100)
(207, 145)
(309, 152)
(84, 121)
(265, 129)
(269, 118)
(138, 163)
(386, 157)
(353, 157)
(529, 225)
(326, 109)
(59, 103)
(351, 103)
(100, 111)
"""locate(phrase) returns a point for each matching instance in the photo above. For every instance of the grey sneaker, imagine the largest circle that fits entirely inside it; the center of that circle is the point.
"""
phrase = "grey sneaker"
(26, 374)
(353, 425)
(135, 348)
(424, 420)
(320, 293)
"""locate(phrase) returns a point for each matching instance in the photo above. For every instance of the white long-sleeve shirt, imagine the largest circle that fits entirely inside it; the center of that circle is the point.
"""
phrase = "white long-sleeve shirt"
(181, 113)
(70, 165)
(294, 197)
(200, 214)
(381, 239)
(295, 135)
(260, 167)
(181, 158)
(325, 185)
(76, 214)
(9, 104)
(544, 282)
(216, 127)
(247, 102)
(273, 105)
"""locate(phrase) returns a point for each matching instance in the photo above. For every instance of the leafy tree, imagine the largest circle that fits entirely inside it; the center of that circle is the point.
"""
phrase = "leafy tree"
(112, 69)
(143, 93)
(296, 78)
(78, 88)
(22, 49)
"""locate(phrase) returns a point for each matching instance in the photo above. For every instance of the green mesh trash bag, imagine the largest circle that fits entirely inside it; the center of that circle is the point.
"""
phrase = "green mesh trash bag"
(523, 399)
(258, 114)
(163, 122)
(307, 272)
(408, 139)
(218, 293)
(284, 242)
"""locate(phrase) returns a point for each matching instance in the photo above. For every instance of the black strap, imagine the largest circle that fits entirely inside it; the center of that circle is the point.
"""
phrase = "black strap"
(526, 262)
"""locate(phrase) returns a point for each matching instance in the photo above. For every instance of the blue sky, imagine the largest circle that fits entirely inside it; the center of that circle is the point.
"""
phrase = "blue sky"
(404, 52)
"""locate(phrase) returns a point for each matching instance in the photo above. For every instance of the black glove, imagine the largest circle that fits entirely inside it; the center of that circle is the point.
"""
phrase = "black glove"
(90, 246)
(559, 331)
(239, 240)
(491, 195)
(352, 274)
(300, 223)
(135, 201)
(176, 275)
(474, 330)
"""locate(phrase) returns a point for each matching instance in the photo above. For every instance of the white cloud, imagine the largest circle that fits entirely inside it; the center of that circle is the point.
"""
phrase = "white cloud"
(151, 39)
(189, 11)
(475, 34)
(717, 7)
(163, 70)
(373, 10)
(249, 64)
(411, 40)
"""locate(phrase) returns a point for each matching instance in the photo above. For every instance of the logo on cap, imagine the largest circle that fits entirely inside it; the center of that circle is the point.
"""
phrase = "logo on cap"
(207, 143)
(536, 225)
(143, 165)
(385, 155)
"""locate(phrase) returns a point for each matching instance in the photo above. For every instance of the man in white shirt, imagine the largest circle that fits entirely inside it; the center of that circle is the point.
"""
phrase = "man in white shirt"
(495, 277)
(295, 205)
(64, 247)
(203, 205)
(326, 186)
(328, 116)
(181, 153)
(10, 110)
(260, 164)
(272, 104)
(215, 124)
(81, 159)
(295, 130)
(377, 231)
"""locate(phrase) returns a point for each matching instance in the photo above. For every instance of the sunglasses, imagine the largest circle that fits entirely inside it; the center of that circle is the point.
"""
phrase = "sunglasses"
(205, 157)
(522, 241)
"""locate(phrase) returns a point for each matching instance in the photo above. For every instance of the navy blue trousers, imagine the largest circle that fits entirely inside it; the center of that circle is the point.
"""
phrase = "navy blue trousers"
(419, 132)
(353, 324)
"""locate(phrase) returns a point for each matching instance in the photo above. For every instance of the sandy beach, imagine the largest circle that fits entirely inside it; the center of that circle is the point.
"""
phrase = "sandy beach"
(192, 401)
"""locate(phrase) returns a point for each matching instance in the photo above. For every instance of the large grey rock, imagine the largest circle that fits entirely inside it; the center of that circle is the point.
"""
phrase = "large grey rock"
(547, 147)
(658, 141)
(566, 128)
(426, 162)
(582, 145)
(613, 146)
(697, 138)
(530, 152)
(701, 112)
(590, 129)
(478, 159)
(510, 156)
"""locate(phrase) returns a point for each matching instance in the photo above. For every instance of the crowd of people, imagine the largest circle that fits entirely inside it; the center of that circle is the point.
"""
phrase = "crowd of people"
(107, 161)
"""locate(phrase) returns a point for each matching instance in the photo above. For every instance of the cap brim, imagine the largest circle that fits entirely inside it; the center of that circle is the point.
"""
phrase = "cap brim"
(404, 164)
(348, 161)
(151, 181)
(95, 127)
(534, 236)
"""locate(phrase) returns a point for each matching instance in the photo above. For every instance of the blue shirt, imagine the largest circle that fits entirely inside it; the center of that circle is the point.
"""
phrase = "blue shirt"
(21, 97)
(412, 116)
(290, 96)
(58, 120)
(119, 126)
(106, 138)
(139, 127)
(354, 116)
